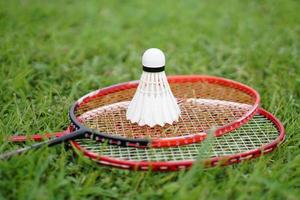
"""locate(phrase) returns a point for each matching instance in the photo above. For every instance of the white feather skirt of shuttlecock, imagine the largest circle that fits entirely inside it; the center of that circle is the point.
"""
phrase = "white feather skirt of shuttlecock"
(153, 103)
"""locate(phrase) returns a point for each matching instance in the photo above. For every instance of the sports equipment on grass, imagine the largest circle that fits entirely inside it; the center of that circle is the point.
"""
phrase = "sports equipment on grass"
(206, 103)
(153, 102)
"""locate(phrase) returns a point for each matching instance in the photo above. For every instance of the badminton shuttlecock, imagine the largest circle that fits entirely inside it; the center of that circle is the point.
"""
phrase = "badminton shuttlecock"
(153, 103)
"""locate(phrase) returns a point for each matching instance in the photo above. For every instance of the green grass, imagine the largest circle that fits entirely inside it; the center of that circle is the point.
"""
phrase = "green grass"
(51, 53)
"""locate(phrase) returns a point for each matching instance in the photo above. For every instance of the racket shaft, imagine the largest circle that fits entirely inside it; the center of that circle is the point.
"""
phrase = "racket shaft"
(35, 137)
(74, 135)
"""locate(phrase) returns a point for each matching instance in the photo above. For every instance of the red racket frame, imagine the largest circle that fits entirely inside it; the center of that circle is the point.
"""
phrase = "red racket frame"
(174, 141)
(174, 166)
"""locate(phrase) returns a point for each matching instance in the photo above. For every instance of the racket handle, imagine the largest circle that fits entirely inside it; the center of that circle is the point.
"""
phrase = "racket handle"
(74, 135)
(8, 155)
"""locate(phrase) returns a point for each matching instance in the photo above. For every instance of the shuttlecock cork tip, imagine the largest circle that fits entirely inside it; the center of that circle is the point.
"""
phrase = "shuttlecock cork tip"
(153, 58)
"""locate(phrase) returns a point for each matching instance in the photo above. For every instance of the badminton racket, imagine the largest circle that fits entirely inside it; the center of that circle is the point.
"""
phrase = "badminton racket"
(206, 102)
(259, 136)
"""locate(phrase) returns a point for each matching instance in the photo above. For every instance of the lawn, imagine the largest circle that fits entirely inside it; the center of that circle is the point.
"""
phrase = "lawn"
(53, 52)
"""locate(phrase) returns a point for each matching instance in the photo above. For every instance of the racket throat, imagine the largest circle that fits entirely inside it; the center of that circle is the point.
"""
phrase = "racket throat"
(70, 136)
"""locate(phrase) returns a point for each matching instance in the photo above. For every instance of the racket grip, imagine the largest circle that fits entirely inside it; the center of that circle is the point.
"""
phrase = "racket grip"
(10, 154)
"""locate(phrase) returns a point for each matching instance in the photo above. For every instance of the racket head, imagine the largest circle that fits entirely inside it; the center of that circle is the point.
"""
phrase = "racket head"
(259, 136)
(206, 102)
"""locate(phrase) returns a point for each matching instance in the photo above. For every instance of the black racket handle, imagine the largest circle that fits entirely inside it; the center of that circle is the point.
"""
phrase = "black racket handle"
(58, 140)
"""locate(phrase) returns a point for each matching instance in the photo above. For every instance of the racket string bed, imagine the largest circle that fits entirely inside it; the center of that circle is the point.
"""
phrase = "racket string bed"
(257, 133)
(196, 117)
